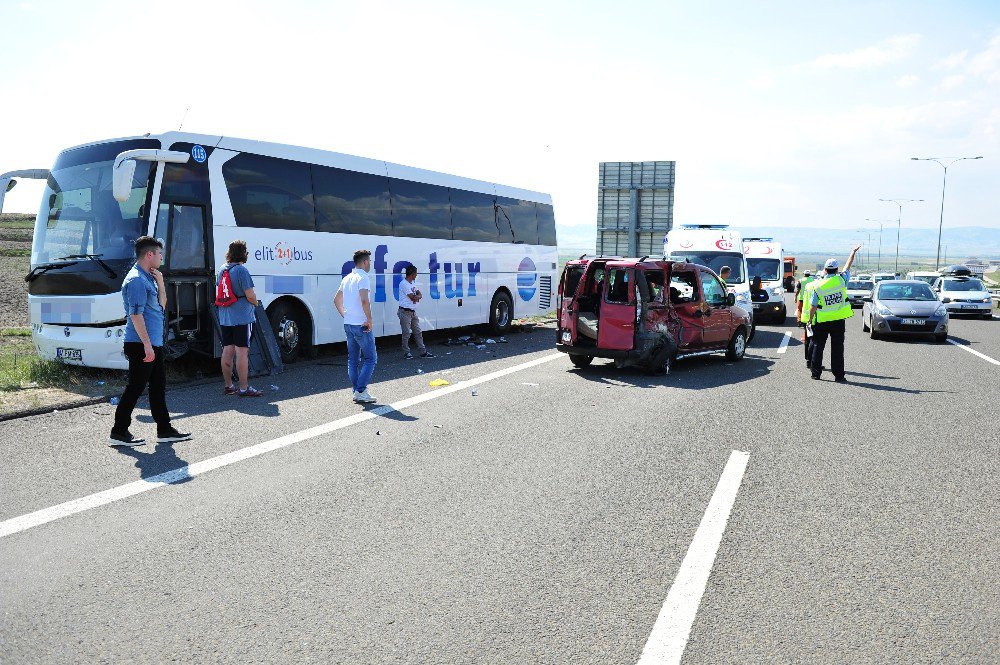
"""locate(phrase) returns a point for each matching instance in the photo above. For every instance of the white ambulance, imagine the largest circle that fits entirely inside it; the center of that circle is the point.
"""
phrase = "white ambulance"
(766, 260)
(713, 246)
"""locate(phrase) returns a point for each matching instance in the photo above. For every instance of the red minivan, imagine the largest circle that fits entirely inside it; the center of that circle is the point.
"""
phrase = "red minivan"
(646, 313)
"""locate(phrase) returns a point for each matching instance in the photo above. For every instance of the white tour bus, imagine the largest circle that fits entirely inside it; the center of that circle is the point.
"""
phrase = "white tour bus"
(766, 259)
(713, 246)
(486, 252)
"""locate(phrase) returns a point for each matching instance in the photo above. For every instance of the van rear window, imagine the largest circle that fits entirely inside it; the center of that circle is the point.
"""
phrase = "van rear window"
(571, 279)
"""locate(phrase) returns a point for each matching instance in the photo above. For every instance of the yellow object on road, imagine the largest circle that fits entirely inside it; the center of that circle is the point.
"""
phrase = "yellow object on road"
(437, 383)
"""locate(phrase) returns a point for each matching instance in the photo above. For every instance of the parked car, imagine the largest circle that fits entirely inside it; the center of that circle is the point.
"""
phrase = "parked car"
(962, 294)
(646, 313)
(881, 276)
(904, 307)
(857, 289)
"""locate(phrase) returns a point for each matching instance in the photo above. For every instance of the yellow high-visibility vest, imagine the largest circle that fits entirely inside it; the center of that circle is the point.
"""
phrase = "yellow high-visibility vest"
(833, 303)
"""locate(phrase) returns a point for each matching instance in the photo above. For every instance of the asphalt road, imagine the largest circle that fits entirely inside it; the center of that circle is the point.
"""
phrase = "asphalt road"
(543, 519)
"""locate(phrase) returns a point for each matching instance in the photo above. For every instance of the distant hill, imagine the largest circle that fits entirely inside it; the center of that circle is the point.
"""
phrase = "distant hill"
(963, 241)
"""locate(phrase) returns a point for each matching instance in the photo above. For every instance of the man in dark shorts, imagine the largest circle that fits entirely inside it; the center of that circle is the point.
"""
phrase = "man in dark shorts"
(236, 321)
(144, 297)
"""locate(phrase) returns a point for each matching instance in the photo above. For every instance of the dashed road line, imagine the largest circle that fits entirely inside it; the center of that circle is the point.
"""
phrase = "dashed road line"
(966, 347)
(672, 629)
(784, 341)
(91, 501)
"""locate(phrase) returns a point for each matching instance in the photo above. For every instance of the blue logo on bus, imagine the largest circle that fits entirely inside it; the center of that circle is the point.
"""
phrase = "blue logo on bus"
(199, 154)
(526, 279)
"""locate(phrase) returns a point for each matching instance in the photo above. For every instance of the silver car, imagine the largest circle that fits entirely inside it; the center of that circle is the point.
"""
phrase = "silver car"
(904, 307)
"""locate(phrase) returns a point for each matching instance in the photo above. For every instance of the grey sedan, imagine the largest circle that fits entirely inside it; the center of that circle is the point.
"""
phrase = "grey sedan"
(904, 307)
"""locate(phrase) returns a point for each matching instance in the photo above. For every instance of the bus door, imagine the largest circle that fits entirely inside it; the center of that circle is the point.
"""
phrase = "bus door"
(187, 274)
(184, 224)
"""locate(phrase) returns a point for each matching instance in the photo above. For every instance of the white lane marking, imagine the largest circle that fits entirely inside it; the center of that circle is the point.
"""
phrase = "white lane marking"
(973, 351)
(45, 515)
(784, 342)
(672, 629)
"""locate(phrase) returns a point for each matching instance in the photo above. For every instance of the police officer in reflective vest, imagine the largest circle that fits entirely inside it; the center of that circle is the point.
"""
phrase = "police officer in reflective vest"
(802, 312)
(830, 308)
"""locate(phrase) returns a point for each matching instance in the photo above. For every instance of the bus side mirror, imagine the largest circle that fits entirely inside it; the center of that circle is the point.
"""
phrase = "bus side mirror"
(124, 168)
(121, 181)
(8, 182)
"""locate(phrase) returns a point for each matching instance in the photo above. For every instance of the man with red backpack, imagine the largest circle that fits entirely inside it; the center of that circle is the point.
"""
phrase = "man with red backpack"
(235, 301)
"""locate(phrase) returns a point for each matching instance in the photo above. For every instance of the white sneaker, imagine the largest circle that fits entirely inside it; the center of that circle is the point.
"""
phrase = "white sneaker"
(354, 395)
(363, 397)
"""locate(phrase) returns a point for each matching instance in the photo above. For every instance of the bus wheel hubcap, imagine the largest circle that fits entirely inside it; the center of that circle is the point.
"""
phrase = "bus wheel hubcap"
(289, 334)
(503, 315)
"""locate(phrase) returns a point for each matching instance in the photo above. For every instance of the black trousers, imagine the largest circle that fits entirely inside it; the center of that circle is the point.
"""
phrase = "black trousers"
(835, 331)
(141, 374)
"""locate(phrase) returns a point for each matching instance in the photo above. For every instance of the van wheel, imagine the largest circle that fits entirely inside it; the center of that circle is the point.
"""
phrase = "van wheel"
(292, 329)
(871, 330)
(753, 330)
(864, 324)
(581, 361)
(737, 345)
(501, 313)
(661, 363)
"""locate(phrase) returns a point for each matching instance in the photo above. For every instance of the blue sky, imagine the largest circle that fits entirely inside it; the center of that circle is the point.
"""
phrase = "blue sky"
(778, 113)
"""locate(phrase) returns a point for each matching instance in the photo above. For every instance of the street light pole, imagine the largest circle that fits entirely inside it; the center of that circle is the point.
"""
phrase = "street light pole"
(899, 222)
(879, 222)
(944, 183)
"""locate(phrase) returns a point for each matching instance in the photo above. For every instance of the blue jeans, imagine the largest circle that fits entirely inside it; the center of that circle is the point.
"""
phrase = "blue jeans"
(361, 356)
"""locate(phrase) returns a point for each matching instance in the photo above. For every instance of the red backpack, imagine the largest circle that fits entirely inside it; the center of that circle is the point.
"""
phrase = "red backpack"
(224, 296)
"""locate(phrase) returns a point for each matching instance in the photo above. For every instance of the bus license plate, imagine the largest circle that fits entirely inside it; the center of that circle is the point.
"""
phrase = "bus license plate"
(912, 322)
(69, 354)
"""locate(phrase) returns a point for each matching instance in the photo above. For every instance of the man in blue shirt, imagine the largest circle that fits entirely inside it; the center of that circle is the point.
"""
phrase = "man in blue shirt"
(145, 298)
(236, 320)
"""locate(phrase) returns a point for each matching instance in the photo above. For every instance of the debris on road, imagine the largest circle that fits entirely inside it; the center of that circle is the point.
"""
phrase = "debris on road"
(475, 393)
(274, 388)
(436, 383)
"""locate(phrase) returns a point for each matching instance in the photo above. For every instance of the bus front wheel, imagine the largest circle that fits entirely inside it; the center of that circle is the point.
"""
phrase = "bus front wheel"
(501, 313)
(291, 329)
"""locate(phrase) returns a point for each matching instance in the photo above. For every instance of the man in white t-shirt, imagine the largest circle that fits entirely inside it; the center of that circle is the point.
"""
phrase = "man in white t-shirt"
(353, 304)
(409, 320)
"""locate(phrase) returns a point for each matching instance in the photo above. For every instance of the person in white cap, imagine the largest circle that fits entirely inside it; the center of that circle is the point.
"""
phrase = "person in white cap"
(830, 308)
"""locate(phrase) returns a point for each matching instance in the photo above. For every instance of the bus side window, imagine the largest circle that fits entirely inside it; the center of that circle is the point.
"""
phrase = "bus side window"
(473, 217)
(546, 224)
(420, 210)
(270, 193)
(522, 219)
(351, 202)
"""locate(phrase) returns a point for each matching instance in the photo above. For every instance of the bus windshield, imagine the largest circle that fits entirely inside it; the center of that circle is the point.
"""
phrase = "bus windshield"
(715, 261)
(769, 270)
(79, 214)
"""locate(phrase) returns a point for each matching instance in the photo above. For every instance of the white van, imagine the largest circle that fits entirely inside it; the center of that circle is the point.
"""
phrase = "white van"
(929, 277)
(713, 246)
(766, 259)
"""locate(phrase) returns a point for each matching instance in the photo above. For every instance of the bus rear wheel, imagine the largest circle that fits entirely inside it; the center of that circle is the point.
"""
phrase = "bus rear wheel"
(501, 313)
(292, 329)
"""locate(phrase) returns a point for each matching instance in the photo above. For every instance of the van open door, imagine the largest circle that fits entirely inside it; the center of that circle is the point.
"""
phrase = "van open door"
(617, 323)
(566, 305)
